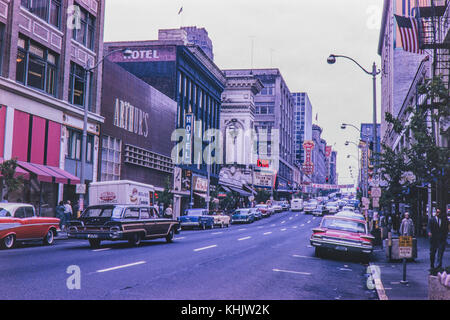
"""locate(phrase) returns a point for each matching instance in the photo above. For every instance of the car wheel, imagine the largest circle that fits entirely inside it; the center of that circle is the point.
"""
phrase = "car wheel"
(203, 227)
(49, 238)
(135, 239)
(318, 252)
(222, 225)
(169, 237)
(9, 241)
(94, 243)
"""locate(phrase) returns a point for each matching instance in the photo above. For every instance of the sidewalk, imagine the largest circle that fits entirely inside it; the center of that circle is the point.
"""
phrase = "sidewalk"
(417, 272)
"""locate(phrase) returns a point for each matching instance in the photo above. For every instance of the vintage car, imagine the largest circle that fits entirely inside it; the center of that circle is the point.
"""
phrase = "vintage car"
(277, 208)
(121, 222)
(266, 210)
(350, 214)
(310, 206)
(256, 213)
(221, 219)
(342, 234)
(18, 222)
(320, 210)
(332, 207)
(196, 218)
(243, 216)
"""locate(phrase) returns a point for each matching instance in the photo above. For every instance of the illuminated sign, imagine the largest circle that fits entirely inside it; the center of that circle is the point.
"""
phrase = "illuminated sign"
(263, 163)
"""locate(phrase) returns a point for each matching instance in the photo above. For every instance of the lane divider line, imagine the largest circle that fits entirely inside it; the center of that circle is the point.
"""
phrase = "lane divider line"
(205, 248)
(294, 272)
(245, 238)
(121, 267)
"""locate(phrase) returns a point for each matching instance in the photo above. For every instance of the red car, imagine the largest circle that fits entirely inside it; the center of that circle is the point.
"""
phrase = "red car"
(343, 234)
(18, 222)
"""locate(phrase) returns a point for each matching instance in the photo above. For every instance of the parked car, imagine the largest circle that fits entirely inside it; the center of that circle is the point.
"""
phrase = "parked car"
(121, 222)
(243, 215)
(285, 205)
(348, 208)
(221, 219)
(332, 207)
(18, 222)
(310, 207)
(265, 209)
(196, 218)
(350, 214)
(296, 204)
(256, 213)
(342, 234)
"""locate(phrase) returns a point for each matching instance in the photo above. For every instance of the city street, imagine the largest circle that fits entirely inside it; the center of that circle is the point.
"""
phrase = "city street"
(269, 259)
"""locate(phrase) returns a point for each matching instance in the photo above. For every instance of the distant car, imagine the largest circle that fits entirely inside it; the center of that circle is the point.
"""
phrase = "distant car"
(332, 207)
(310, 207)
(319, 210)
(256, 213)
(296, 204)
(243, 216)
(341, 203)
(285, 206)
(199, 218)
(348, 208)
(342, 234)
(350, 214)
(221, 219)
(277, 208)
(18, 222)
(266, 210)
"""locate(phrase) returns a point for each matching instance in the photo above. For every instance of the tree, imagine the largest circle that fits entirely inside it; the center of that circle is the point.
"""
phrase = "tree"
(166, 196)
(8, 171)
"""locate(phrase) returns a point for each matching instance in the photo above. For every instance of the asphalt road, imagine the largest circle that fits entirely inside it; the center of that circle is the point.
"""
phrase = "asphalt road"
(270, 259)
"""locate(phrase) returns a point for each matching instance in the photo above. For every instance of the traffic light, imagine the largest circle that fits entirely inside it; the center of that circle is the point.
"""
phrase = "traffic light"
(156, 195)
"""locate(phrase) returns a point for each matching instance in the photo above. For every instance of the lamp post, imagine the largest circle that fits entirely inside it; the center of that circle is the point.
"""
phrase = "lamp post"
(331, 60)
(359, 161)
(126, 53)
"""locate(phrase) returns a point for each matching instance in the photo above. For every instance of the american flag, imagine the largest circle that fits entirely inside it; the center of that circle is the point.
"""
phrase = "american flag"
(409, 32)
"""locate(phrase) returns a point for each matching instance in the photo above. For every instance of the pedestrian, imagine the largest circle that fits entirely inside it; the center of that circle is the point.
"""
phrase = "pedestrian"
(68, 210)
(407, 226)
(60, 214)
(5, 199)
(168, 212)
(437, 231)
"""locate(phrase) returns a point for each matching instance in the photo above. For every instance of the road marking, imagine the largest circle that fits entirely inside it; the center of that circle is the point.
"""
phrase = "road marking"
(179, 238)
(309, 221)
(304, 257)
(104, 249)
(283, 222)
(291, 218)
(345, 269)
(245, 238)
(302, 225)
(217, 233)
(204, 248)
(295, 272)
(260, 227)
(378, 284)
(296, 215)
(242, 229)
(284, 229)
(272, 225)
(314, 218)
(267, 233)
(294, 227)
(121, 267)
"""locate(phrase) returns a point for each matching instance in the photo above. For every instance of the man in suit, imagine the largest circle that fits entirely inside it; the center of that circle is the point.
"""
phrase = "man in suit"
(437, 231)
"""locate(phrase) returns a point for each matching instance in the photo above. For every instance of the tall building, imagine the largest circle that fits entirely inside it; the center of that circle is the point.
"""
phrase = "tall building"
(303, 124)
(190, 35)
(274, 110)
(45, 48)
(185, 74)
(319, 156)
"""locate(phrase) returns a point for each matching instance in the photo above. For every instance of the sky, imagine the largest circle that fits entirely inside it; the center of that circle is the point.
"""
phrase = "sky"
(295, 36)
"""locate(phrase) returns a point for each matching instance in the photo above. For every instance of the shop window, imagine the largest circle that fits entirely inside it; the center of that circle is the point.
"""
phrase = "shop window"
(111, 158)
(74, 145)
(36, 66)
(2, 30)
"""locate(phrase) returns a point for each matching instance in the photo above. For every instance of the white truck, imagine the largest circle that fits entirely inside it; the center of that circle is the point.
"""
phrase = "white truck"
(121, 192)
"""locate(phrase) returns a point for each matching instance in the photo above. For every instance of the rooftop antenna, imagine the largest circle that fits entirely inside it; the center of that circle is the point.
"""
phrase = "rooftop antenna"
(253, 45)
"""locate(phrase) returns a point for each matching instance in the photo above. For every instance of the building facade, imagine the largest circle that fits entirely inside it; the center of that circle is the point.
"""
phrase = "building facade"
(319, 156)
(185, 74)
(45, 48)
(135, 139)
(303, 124)
(274, 112)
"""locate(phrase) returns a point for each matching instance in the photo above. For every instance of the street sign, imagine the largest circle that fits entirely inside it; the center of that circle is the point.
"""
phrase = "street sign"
(365, 201)
(376, 202)
(375, 192)
(80, 189)
(405, 245)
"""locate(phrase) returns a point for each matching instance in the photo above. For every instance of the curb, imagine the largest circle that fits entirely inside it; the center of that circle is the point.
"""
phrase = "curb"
(377, 281)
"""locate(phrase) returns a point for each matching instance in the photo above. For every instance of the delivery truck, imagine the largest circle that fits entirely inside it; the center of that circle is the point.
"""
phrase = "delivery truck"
(121, 192)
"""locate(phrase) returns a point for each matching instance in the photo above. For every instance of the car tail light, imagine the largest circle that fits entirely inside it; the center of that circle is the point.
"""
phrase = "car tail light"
(367, 237)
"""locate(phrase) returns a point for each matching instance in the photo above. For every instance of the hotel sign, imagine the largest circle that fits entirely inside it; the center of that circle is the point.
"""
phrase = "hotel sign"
(145, 54)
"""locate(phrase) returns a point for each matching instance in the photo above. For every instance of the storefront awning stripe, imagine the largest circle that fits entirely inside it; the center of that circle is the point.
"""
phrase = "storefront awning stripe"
(49, 174)
(40, 175)
(72, 179)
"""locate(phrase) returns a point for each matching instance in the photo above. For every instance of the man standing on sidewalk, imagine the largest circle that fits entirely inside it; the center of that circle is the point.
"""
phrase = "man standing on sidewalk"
(407, 226)
(437, 231)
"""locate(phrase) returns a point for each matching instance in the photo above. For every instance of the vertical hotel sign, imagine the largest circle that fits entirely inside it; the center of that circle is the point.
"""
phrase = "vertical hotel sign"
(308, 165)
(187, 157)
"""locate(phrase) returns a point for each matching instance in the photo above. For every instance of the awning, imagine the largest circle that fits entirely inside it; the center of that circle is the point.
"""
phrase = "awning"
(201, 195)
(49, 174)
(241, 192)
(226, 189)
(19, 172)
(249, 188)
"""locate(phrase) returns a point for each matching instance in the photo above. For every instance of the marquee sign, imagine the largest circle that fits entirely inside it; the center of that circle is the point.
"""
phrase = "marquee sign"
(308, 165)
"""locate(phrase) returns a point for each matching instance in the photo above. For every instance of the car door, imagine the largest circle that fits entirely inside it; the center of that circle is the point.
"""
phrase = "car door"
(162, 225)
(37, 228)
(147, 221)
(24, 231)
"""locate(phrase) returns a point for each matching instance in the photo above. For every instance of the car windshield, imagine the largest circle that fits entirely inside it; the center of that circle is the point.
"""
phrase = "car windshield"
(344, 225)
(102, 212)
(193, 213)
(4, 213)
(261, 206)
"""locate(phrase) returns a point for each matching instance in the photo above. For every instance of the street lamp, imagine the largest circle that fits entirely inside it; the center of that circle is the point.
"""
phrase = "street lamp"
(332, 60)
(126, 53)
